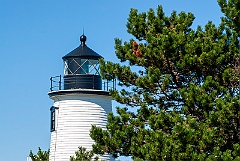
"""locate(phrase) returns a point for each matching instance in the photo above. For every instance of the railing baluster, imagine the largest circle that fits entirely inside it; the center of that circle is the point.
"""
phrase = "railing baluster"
(51, 84)
(107, 85)
(60, 82)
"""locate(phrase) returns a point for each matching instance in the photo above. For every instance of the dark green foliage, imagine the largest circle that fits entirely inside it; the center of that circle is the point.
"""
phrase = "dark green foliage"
(184, 102)
(83, 155)
(231, 10)
(41, 155)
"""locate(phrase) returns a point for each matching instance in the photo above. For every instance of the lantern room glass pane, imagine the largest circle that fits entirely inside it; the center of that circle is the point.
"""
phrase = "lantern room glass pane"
(84, 66)
(65, 67)
(94, 67)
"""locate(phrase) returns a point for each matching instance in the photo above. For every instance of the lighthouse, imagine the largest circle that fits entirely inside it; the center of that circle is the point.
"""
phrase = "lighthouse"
(80, 101)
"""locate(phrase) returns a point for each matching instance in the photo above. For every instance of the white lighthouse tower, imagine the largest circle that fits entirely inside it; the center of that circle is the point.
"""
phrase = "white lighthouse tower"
(78, 104)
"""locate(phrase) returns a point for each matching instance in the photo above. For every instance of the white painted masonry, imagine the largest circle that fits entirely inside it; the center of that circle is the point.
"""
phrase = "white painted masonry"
(75, 114)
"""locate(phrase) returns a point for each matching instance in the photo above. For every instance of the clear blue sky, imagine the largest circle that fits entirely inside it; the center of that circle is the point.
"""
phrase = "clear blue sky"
(35, 34)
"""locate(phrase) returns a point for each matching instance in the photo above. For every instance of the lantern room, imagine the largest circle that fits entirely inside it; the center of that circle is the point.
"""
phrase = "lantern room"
(81, 68)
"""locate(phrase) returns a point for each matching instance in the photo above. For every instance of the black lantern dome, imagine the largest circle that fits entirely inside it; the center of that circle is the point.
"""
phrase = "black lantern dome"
(81, 68)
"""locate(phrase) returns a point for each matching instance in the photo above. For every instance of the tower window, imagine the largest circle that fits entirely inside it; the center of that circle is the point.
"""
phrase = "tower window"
(53, 118)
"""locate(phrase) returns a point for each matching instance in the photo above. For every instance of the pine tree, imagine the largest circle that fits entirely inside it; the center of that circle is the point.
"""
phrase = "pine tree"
(83, 155)
(183, 103)
(40, 156)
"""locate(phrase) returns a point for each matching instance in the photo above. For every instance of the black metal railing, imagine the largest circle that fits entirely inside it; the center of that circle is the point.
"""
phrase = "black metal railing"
(57, 83)
(109, 84)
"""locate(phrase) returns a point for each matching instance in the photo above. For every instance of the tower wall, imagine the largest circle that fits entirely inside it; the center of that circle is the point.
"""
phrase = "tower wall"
(75, 114)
